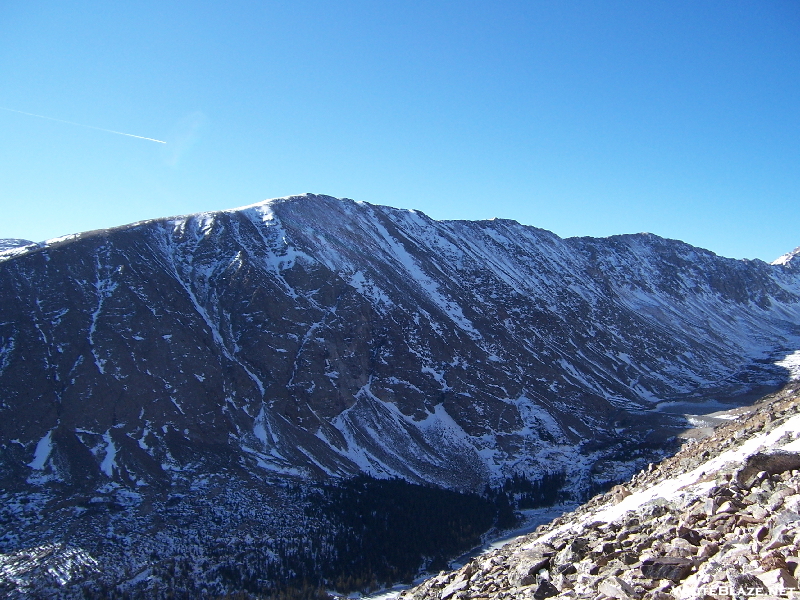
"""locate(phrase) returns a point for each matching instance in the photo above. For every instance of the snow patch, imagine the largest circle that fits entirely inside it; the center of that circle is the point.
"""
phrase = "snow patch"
(43, 449)
(63, 238)
(792, 364)
(787, 258)
(369, 290)
(108, 464)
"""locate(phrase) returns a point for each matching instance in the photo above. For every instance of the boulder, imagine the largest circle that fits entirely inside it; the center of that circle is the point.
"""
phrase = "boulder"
(776, 499)
(454, 587)
(529, 563)
(773, 560)
(746, 585)
(619, 493)
(681, 547)
(690, 535)
(573, 552)
(614, 587)
(545, 590)
(778, 461)
(708, 550)
(673, 568)
(778, 581)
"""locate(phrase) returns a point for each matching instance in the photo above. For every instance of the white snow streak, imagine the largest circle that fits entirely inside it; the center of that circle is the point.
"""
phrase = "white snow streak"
(43, 449)
(792, 364)
(108, 464)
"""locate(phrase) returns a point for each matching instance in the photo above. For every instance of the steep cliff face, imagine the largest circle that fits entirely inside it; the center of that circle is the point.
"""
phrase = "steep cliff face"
(315, 337)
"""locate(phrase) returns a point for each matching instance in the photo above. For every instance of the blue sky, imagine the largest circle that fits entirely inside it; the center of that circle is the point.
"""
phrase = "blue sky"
(585, 118)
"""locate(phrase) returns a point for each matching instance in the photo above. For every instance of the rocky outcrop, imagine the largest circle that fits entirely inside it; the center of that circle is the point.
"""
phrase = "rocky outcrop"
(698, 525)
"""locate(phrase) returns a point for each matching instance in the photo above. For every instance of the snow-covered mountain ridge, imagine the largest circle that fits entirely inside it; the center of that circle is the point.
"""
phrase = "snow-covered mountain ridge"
(790, 259)
(13, 243)
(317, 337)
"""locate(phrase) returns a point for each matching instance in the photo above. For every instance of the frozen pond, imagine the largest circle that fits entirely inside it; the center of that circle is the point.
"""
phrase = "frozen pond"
(700, 407)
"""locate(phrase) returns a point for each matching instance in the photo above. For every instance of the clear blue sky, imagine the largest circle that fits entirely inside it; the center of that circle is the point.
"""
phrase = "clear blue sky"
(585, 118)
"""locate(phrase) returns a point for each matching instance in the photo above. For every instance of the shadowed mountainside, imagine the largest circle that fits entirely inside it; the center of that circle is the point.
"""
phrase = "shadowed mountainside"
(180, 387)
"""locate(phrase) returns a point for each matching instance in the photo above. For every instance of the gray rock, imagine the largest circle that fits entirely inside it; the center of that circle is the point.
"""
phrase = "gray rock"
(707, 550)
(667, 567)
(690, 535)
(774, 462)
(746, 586)
(527, 567)
(614, 587)
(779, 579)
(454, 587)
(573, 552)
(545, 590)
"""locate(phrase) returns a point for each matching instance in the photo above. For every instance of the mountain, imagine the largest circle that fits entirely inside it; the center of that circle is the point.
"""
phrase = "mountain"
(790, 260)
(210, 364)
(11, 243)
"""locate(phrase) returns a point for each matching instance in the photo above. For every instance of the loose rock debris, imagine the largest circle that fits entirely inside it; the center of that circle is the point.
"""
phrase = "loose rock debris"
(719, 520)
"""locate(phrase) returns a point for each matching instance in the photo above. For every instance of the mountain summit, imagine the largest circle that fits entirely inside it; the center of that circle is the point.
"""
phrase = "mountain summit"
(790, 259)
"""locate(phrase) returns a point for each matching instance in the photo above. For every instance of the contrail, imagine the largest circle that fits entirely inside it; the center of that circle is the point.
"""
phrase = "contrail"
(82, 125)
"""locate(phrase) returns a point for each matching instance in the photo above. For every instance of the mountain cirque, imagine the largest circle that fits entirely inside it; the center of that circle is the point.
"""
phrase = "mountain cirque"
(718, 520)
(316, 337)
(165, 386)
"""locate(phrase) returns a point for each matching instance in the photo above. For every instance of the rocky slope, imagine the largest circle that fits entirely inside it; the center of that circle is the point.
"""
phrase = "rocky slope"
(720, 519)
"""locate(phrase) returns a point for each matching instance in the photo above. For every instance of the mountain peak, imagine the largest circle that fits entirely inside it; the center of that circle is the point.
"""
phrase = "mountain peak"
(789, 259)
(10, 247)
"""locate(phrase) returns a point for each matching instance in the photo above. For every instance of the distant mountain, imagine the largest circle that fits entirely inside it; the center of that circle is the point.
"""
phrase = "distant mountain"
(10, 243)
(790, 260)
(310, 339)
